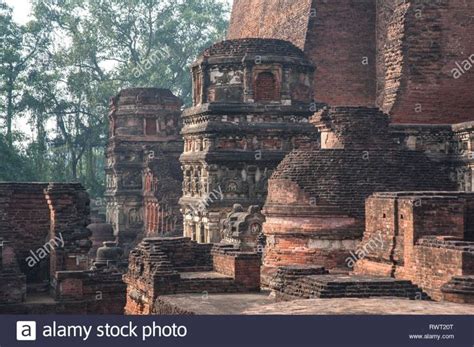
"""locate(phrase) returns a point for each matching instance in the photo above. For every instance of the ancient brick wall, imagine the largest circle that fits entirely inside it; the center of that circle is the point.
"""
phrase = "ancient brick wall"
(48, 221)
(25, 224)
(184, 255)
(243, 267)
(12, 280)
(423, 235)
(390, 33)
(412, 58)
(286, 20)
(46, 226)
(435, 265)
(381, 222)
(438, 217)
(340, 42)
(161, 266)
(103, 292)
(69, 213)
(419, 43)
(337, 35)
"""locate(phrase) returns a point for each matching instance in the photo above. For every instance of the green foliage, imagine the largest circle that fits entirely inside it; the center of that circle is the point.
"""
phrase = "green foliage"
(58, 72)
(14, 166)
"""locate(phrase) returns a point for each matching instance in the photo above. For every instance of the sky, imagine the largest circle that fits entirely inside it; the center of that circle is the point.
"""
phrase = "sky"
(21, 10)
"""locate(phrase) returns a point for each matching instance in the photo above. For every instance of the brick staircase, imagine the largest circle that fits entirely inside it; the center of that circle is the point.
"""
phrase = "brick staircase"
(460, 289)
(206, 282)
(314, 282)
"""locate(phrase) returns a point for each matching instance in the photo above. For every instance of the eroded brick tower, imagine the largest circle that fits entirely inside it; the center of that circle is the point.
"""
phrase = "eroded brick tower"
(144, 128)
(252, 99)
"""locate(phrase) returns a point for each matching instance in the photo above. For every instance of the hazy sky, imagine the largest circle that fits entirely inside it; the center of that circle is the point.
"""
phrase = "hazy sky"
(21, 9)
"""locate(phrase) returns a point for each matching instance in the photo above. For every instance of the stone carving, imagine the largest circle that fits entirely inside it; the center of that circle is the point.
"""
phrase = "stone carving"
(243, 228)
(135, 216)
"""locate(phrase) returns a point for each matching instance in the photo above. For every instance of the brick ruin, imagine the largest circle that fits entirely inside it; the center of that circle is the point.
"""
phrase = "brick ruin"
(428, 238)
(251, 104)
(404, 56)
(44, 253)
(161, 266)
(450, 145)
(142, 161)
(315, 205)
(314, 218)
(338, 163)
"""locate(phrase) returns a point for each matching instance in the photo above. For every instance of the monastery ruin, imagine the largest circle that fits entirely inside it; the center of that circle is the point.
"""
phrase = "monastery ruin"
(328, 153)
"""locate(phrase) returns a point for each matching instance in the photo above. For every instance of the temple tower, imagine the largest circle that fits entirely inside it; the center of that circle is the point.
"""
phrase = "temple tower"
(144, 125)
(252, 99)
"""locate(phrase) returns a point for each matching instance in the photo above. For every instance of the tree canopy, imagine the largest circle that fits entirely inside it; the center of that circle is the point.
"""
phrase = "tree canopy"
(58, 72)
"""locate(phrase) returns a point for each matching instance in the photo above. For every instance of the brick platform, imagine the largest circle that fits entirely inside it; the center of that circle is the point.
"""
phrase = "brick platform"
(261, 303)
(345, 286)
(459, 289)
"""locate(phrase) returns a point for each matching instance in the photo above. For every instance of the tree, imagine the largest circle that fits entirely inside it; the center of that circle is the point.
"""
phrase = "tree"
(79, 53)
(19, 46)
(13, 162)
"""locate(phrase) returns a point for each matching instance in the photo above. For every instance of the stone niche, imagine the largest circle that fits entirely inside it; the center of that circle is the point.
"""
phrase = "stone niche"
(144, 127)
(252, 99)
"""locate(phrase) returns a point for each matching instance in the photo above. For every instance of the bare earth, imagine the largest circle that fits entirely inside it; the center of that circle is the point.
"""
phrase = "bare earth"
(261, 303)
